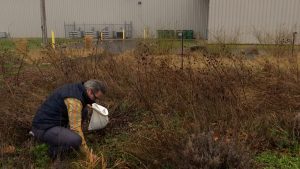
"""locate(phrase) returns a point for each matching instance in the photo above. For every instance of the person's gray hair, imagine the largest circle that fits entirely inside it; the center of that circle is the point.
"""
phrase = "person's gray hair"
(95, 85)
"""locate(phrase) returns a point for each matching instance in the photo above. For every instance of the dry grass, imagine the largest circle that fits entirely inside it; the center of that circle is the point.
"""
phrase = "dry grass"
(216, 112)
(91, 162)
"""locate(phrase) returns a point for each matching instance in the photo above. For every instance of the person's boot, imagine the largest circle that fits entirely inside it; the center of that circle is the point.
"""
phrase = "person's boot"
(52, 152)
(57, 163)
(56, 158)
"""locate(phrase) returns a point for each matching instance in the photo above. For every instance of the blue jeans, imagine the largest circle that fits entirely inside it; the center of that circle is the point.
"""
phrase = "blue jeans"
(60, 140)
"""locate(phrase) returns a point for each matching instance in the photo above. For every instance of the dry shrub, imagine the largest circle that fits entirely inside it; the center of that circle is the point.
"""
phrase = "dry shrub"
(156, 47)
(244, 101)
(7, 60)
(172, 149)
(88, 42)
(204, 152)
(238, 99)
(296, 125)
(278, 44)
(247, 103)
(98, 163)
(90, 162)
(223, 44)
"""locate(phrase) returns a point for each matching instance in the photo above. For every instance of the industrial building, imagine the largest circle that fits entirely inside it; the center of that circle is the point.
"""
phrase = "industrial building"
(241, 20)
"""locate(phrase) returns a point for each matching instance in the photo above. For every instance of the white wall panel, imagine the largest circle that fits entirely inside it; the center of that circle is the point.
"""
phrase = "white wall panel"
(22, 18)
(246, 17)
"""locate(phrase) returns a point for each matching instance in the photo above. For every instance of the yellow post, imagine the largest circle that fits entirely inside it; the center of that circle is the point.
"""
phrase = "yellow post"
(146, 32)
(101, 35)
(124, 36)
(53, 39)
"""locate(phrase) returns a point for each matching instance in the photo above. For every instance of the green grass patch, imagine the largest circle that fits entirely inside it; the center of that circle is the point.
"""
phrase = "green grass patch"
(40, 156)
(273, 160)
(7, 44)
(35, 43)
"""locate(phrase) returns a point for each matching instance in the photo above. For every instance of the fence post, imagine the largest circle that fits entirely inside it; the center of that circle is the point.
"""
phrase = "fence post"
(181, 49)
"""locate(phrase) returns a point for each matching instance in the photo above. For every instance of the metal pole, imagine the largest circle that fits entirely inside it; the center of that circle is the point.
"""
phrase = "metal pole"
(296, 56)
(43, 22)
(182, 50)
(65, 29)
(293, 43)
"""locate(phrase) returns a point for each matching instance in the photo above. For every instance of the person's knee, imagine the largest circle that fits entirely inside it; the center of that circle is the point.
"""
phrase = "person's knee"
(75, 141)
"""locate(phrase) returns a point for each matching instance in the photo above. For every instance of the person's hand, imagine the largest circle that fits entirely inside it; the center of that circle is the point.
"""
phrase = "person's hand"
(89, 106)
(92, 157)
(89, 154)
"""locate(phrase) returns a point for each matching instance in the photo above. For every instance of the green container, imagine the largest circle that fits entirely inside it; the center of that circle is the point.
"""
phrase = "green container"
(190, 34)
(160, 34)
(166, 34)
(173, 34)
(185, 34)
(169, 34)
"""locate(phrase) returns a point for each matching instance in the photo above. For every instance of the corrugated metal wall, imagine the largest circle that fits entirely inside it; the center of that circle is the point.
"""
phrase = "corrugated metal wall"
(22, 19)
(246, 18)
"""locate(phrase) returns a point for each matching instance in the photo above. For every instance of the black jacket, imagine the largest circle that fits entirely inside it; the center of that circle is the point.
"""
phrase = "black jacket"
(53, 112)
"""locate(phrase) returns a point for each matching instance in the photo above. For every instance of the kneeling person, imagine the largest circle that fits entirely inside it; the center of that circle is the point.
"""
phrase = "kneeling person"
(58, 121)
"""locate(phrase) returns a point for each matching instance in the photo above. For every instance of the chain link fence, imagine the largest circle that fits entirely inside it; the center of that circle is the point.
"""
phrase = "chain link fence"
(108, 31)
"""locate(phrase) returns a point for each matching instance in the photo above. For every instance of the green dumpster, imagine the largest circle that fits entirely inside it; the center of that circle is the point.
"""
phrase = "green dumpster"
(160, 34)
(170, 34)
(185, 34)
(190, 34)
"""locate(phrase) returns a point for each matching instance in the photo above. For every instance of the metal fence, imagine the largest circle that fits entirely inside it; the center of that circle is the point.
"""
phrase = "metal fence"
(4, 35)
(110, 31)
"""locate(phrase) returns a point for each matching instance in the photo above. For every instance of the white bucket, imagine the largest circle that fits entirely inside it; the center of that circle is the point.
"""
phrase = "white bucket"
(99, 117)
